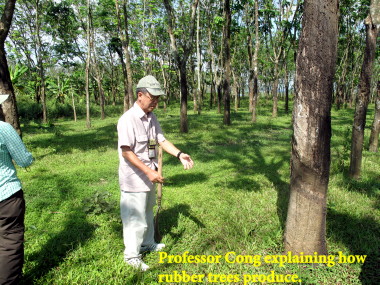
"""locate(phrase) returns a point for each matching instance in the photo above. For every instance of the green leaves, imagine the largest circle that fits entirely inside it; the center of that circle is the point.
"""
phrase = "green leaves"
(98, 203)
(218, 21)
(60, 88)
(16, 73)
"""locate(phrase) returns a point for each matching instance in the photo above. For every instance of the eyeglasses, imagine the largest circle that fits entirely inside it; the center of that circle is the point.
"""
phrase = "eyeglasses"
(152, 98)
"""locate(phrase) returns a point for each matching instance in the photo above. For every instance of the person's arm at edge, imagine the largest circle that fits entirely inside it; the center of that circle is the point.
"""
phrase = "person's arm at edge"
(129, 155)
(17, 149)
(184, 157)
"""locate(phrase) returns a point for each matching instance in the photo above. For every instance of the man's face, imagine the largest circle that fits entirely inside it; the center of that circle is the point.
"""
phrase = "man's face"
(147, 102)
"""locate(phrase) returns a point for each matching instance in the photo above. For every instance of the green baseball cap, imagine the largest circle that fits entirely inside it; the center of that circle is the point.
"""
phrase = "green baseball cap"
(151, 84)
(3, 98)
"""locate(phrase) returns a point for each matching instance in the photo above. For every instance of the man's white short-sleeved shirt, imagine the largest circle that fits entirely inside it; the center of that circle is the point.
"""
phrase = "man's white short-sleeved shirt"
(135, 129)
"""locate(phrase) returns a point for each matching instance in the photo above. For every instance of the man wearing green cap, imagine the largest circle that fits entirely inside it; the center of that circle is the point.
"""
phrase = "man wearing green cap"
(139, 133)
(12, 203)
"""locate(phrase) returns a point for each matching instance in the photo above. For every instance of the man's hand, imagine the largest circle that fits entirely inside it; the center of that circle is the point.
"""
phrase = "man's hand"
(186, 161)
(184, 158)
(155, 177)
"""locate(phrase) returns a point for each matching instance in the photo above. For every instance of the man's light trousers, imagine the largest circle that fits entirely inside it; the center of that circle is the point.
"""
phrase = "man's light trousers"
(136, 210)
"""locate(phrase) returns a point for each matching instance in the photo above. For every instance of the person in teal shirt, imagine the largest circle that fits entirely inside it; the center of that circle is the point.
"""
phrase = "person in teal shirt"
(12, 203)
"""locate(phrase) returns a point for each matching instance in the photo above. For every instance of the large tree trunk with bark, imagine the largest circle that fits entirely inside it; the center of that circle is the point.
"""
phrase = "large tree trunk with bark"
(362, 99)
(310, 160)
(374, 138)
(9, 107)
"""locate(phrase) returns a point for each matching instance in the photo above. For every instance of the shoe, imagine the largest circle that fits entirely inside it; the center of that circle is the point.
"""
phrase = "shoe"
(137, 263)
(152, 247)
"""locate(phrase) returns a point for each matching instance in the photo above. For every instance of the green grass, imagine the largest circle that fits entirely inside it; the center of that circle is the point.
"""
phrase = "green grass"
(234, 199)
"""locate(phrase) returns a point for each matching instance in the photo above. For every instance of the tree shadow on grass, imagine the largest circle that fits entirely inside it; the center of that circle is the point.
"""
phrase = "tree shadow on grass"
(370, 270)
(76, 232)
(99, 138)
(247, 149)
(180, 180)
(269, 169)
(168, 220)
(238, 144)
(242, 183)
(369, 187)
(362, 237)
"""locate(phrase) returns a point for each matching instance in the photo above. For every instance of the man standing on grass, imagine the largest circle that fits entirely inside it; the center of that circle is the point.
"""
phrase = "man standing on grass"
(12, 203)
(139, 134)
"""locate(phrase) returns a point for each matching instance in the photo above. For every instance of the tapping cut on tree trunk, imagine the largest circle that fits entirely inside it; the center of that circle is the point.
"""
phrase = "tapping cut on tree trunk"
(305, 229)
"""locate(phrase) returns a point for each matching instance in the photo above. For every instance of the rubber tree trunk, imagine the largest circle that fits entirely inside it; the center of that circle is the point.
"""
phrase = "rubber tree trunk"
(305, 229)
(40, 61)
(184, 124)
(362, 99)
(227, 63)
(121, 56)
(87, 72)
(9, 107)
(181, 58)
(374, 138)
(275, 89)
(127, 56)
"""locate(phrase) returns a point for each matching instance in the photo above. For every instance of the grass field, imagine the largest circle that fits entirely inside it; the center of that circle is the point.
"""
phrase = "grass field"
(233, 200)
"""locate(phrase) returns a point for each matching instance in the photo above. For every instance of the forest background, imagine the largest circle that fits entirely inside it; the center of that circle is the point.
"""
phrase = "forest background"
(51, 44)
(80, 60)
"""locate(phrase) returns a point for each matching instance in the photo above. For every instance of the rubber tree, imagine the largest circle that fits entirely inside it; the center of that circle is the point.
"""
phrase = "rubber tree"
(128, 102)
(181, 48)
(362, 99)
(227, 63)
(350, 50)
(213, 51)
(374, 138)
(88, 61)
(253, 57)
(280, 14)
(305, 229)
(9, 107)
